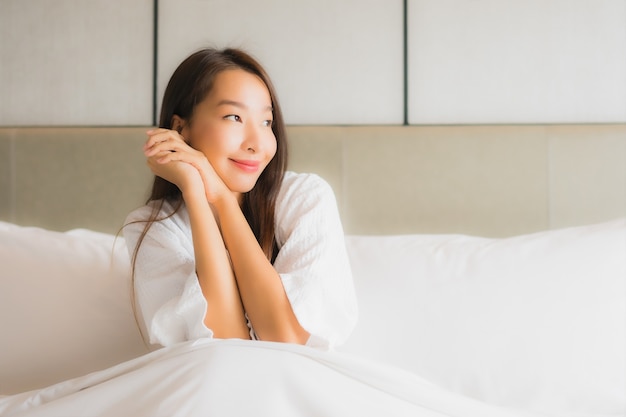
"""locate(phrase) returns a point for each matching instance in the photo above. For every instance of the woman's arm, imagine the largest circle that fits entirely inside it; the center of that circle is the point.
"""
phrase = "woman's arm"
(313, 261)
(255, 282)
(224, 315)
(260, 286)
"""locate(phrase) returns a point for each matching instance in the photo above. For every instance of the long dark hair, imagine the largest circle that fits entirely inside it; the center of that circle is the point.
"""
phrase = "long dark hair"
(190, 84)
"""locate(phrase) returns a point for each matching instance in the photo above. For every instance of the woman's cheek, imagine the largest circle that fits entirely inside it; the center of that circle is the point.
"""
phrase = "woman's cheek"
(273, 146)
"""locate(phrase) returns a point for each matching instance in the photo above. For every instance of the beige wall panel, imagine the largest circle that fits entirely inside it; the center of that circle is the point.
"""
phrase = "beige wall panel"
(64, 176)
(524, 61)
(318, 150)
(333, 62)
(485, 180)
(75, 62)
(475, 180)
(587, 174)
(6, 174)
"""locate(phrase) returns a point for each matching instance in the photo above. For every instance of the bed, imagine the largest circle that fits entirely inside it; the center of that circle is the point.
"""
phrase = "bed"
(498, 312)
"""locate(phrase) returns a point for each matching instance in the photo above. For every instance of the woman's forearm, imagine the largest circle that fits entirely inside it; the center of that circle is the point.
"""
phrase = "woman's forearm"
(260, 286)
(225, 314)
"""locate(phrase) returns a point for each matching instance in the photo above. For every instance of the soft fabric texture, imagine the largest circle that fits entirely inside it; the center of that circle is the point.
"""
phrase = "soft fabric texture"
(211, 377)
(312, 263)
(535, 322)
(65, 306)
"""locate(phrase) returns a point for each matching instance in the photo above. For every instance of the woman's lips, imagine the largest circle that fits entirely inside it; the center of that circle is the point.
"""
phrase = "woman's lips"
(246, 165)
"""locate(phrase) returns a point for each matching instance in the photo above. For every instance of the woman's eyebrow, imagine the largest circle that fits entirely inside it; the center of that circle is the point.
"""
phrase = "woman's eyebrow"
(231, 103)
(239, 104)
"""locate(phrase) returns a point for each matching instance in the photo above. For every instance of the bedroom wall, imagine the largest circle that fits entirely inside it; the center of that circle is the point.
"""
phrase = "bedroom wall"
(482, 180)
(349, 62)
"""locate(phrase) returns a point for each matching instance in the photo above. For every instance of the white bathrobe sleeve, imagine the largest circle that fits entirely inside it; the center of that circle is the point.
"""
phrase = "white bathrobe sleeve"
(168, 297)
(313, 261)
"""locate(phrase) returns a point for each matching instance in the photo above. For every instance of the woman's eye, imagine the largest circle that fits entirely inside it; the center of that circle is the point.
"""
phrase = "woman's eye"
(268, 123)
(233, 117)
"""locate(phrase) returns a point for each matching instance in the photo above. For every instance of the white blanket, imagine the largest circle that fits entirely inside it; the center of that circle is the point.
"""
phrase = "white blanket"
(239, 378)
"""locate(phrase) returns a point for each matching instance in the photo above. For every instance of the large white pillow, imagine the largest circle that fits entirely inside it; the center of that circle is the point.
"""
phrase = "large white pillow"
(64, 306)
(535, 321)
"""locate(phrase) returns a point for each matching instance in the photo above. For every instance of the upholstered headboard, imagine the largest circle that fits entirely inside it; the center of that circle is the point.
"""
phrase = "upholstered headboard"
(484, 180)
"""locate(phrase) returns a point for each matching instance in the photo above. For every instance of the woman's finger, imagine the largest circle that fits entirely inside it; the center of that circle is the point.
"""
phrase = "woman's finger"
(171, 145)
(182, 155)
(156, 136)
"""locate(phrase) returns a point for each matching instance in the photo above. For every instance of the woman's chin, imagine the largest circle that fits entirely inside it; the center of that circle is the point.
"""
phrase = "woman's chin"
(242, 187)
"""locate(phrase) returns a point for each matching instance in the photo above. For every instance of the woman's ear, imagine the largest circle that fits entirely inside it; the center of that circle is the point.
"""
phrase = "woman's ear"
(178, 124)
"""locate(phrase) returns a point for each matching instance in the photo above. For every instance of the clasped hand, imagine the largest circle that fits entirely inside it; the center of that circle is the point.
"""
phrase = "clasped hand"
(170, 157)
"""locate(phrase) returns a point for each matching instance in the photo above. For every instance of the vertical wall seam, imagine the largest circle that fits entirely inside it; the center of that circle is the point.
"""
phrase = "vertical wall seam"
(548, 139)
(155, 45)
(12, 178)
(344, 185)
(405, 53)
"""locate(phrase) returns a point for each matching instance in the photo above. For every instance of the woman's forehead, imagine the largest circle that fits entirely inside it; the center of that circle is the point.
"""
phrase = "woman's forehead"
(242, 88)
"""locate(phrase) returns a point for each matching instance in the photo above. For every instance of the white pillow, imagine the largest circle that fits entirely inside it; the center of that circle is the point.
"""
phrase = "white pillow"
(64, 306)
(535, 321)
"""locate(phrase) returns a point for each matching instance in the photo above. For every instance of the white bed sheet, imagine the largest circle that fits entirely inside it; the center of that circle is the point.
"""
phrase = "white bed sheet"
(236, 377)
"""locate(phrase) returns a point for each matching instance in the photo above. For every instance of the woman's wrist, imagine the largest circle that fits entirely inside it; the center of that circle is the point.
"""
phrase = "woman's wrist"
(225, 202)
(192, 189)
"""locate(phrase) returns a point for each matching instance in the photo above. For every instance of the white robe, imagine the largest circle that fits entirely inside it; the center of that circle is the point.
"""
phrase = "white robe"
(312, 263)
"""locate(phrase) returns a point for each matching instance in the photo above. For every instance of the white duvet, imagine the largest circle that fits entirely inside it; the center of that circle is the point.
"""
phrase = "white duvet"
(238, 378)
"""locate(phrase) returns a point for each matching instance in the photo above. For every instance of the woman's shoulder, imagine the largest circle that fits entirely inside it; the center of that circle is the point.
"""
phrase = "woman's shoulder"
(303, 195)
(310, 184)
(144, 212)
(165, 212)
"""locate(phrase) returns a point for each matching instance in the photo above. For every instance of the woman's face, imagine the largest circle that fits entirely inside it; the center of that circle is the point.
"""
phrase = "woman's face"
(233, 128)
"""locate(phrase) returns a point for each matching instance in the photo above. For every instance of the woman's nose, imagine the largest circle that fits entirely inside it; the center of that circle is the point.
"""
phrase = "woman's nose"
(252, 140)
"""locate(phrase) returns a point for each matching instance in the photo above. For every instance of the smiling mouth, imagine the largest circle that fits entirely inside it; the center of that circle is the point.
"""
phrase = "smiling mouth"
(246, 165)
